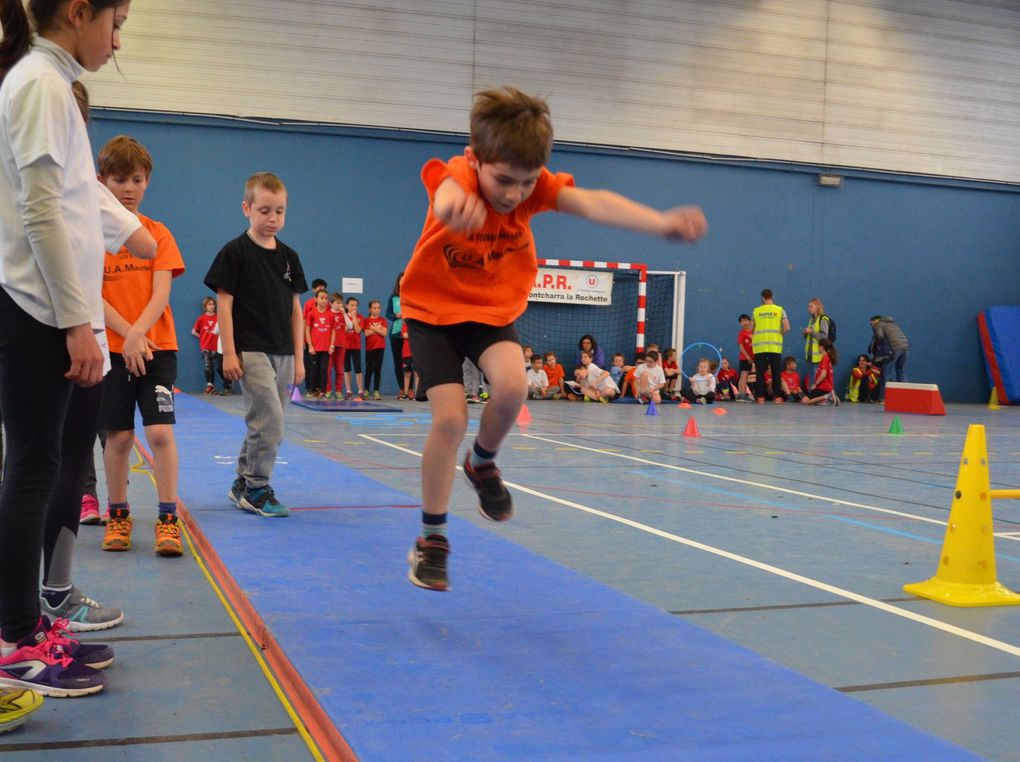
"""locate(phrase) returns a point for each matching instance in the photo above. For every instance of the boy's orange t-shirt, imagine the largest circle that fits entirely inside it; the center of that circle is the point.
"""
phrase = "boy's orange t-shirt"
(554, 373)
(484, 276)
(127, 285)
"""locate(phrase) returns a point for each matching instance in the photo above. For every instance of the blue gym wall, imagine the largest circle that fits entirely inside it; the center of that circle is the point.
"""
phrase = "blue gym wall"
(931, 253)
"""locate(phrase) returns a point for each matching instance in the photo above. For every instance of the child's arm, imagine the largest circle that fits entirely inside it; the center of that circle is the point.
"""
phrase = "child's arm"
(297, 323)
(137, 346)
(232, 369)
(332, 338)
(459, 210)
(605, 207)
(308, 336)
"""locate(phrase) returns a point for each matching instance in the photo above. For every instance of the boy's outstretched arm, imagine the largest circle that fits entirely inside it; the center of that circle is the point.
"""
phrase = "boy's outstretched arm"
(605, 207)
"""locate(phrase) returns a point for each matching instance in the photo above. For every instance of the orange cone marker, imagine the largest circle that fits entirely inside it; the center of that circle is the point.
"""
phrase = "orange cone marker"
(524, 417)
(691, 430)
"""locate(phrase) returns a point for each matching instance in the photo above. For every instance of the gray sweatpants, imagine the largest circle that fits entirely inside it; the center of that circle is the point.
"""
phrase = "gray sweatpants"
(264, 387)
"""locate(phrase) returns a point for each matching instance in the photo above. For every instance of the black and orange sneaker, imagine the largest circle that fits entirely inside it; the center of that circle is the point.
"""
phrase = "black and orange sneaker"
(428, 562)
(494, 502)
(168, 536)
(118, 531)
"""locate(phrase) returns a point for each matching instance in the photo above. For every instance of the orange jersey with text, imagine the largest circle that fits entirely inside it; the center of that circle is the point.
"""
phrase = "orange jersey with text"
(484, 276)
(127, 285)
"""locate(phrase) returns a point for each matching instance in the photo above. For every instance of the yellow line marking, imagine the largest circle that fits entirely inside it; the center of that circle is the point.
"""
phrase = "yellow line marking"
(313, 441)
(255, 650)
(522, 448)
(655, 452)
(736, 452)
(691, 452)
(566, 449)
(852, 452)
(923, 453)
(768, 568)
(774, 452)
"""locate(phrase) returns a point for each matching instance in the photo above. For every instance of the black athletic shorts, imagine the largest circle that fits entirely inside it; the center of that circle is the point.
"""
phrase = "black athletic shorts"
(439, 350)
(746, 365)
(153, 393)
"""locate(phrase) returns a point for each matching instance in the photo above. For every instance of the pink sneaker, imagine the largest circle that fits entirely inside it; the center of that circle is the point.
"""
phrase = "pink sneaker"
(89, 510)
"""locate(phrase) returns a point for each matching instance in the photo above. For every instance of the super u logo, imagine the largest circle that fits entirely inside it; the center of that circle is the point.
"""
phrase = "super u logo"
(592, 281)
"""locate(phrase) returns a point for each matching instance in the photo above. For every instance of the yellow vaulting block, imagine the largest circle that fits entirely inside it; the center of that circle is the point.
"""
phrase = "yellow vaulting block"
(966, 573)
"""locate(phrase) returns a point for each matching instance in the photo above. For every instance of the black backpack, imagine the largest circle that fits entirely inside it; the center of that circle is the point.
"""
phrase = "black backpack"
(832, 328)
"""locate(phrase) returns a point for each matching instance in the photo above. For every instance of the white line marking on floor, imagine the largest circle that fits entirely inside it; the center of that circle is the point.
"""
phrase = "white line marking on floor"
(735, 480)
(950, 629)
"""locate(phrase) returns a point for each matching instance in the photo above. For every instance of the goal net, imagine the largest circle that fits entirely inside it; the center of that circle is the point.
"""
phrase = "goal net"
(573, 298)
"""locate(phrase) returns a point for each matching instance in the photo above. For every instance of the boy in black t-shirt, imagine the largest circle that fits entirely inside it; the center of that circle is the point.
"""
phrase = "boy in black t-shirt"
(257, 280)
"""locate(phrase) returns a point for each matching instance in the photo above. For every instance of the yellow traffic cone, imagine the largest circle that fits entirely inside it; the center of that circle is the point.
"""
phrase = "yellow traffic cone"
(993, 400)
(966, 571)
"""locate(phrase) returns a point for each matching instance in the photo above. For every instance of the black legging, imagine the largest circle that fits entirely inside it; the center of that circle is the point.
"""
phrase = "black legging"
(34, 396)
(373, 368)
(397, 351)
(76, 455)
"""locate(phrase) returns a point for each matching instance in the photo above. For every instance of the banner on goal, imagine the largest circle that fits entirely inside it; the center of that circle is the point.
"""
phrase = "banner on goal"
(573, 287)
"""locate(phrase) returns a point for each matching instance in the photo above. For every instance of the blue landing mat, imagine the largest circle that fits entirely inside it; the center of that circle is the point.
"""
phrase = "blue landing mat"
(524, 659)
(209, 440)
(345, 406)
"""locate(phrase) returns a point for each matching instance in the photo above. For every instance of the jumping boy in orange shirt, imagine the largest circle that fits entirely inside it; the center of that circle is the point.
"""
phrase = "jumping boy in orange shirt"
(469, 279)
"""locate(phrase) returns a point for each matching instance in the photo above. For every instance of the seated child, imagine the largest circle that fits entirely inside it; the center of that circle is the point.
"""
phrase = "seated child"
(790, 379)
(616, 370)
(702, 389)
(528, 352)
(554, 372)
(629, 371)
(726, 380)
(596, 384)
(821, 391)
(863, 381)
(538, 381)
(650, 379)
(671, 369)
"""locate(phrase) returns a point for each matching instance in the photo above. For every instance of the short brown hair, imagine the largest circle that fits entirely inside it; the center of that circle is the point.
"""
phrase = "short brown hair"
(511, 126)
(122, 155)
(265, 180)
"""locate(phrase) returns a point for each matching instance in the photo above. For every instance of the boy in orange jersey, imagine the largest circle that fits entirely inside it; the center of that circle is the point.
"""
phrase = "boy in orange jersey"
(469, 279)
(143, 353)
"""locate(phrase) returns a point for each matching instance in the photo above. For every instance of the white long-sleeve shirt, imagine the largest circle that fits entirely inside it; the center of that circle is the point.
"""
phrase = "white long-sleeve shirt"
(56, 220)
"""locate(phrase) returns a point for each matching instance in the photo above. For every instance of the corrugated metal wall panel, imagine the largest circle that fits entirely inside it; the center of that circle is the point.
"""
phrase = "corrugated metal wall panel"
(926, 86)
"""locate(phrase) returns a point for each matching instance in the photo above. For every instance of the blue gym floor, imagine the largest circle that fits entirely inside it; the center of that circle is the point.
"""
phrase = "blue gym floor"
(732, 596)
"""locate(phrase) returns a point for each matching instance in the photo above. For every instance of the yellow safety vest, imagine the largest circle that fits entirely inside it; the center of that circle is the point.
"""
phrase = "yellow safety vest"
(768, 329)
(812, 350)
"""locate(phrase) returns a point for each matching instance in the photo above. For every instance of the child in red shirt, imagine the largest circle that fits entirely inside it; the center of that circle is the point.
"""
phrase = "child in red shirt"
(790, 378)
(746, 366)
(671, 369)
(320, 337)
(375, 329)
(205, 331)
(726, 380)
(352, 349)
(408, 366)
(335, 371)
(469, 279)
(822, 389)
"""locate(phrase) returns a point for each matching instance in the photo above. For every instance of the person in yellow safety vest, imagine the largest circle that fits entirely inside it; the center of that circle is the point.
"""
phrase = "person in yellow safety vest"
(817, 329)
(770, 323)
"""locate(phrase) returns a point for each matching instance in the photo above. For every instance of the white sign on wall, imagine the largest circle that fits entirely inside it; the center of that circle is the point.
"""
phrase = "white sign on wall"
(573, 287)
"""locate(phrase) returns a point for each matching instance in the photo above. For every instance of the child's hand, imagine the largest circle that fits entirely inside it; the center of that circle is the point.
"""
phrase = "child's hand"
(86, 356)
(232, 368)
(686, 223)
(137, 349)
(461, 212)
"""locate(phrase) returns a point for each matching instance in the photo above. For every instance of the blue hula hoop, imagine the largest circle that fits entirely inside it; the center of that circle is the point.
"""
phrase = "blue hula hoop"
(713, 347)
